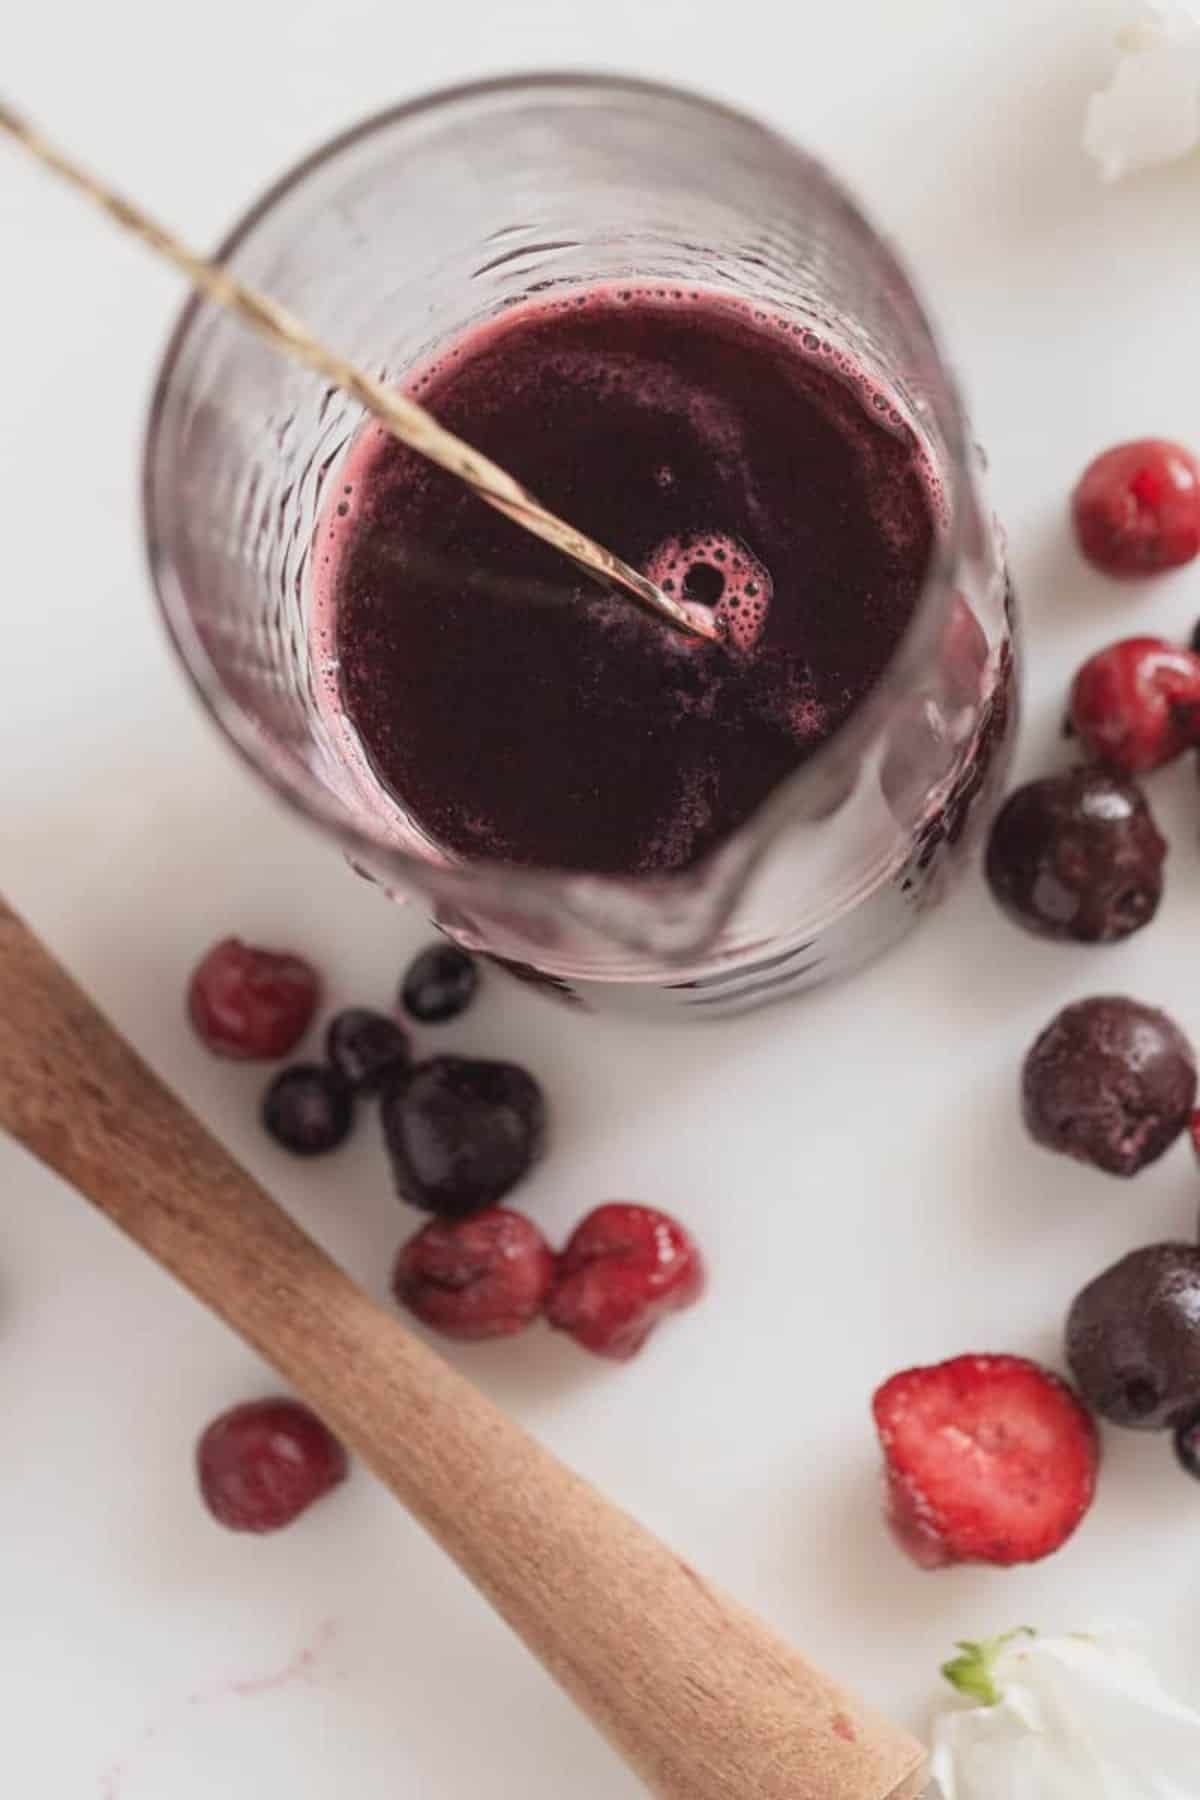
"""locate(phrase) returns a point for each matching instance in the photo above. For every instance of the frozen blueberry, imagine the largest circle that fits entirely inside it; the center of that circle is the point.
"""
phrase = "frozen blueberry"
(440, 984)
(308, 1109)
(365, 1047)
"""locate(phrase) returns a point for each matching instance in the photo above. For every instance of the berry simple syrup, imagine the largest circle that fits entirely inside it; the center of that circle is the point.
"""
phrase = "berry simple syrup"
(517, 711)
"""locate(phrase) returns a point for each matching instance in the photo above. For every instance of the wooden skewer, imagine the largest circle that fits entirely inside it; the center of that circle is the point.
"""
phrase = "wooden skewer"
(701, 1698)
(404, 418)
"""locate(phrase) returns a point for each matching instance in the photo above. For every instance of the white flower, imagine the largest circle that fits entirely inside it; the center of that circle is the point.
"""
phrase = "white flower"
(1150, 111)
(1068, 1718)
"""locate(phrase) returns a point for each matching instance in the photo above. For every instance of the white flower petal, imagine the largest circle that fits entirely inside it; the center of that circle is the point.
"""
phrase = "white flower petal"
(1079, 1718)
(1150, 111)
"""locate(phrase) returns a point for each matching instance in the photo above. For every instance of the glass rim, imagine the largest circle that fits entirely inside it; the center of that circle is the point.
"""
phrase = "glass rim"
(300, 789)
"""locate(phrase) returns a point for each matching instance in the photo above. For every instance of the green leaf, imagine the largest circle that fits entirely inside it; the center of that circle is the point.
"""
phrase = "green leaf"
(973, 1671)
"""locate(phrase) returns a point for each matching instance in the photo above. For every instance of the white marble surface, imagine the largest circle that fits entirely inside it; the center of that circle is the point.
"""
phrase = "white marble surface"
(854, 1166)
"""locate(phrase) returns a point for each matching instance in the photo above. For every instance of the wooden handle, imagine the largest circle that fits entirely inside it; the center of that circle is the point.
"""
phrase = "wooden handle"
(703, 1701)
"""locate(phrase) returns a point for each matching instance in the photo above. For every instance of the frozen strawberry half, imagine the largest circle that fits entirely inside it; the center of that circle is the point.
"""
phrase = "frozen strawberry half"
(989, 1459)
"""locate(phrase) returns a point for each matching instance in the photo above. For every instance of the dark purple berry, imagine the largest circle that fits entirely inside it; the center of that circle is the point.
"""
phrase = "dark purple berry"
(1133, 1338)
(461, 1133)
(262, 1464)
(1187, 1443)
(1077, 856)
(439, 984)
(365, 1047)
(1111, 1083)
(308, 1109)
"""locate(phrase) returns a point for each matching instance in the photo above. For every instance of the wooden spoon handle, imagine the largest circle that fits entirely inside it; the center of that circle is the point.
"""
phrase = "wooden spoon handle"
(703, 1701)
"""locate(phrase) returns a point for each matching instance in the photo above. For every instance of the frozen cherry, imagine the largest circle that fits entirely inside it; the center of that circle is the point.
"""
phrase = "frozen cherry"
(1111, 1083)
(1136, 705)
(252, 1004)
(440, 984)
(482, 1276)
(308, 1109)
(461, 1132)
(366, 1047)
(624, 1268)
(262, 1464)
(1077, 856)
(1187, 1443)
(1133, 1337)
(1136, 508)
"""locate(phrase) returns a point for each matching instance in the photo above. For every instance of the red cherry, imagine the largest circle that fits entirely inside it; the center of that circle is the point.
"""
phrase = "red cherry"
(1136, 509)
(1136, 705)
(482, 1276)
(624, 1268)
(254, 1005)
(262, 1464)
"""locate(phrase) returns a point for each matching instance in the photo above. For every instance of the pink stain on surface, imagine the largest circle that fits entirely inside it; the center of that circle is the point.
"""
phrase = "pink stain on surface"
(247, 1686)
(843, 1727)
(113, 1779)
(300, 1668)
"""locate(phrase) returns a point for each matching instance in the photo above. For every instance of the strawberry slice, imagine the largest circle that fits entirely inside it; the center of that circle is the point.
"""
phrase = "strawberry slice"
(989, 1459)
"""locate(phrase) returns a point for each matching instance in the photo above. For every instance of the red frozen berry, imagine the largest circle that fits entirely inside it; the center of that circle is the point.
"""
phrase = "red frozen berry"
(1136, 705)
(262, 1464)
(624, 1268)
(989, 1459)
(483, 1276)
(252, 1004)
(1136, 509)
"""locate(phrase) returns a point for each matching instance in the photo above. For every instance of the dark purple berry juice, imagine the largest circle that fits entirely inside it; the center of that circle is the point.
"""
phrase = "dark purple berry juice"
(519, 713)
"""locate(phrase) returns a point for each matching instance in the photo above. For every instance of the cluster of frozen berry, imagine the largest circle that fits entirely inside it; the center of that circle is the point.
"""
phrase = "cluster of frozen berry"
(460, 1133)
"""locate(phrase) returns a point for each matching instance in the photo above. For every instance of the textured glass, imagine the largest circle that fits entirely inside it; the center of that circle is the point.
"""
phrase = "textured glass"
(399, 236)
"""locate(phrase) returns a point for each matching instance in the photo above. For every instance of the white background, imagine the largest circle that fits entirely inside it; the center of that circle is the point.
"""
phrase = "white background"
(854, 1165)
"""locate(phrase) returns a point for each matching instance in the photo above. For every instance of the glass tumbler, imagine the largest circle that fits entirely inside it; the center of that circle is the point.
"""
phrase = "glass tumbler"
(424, 223)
